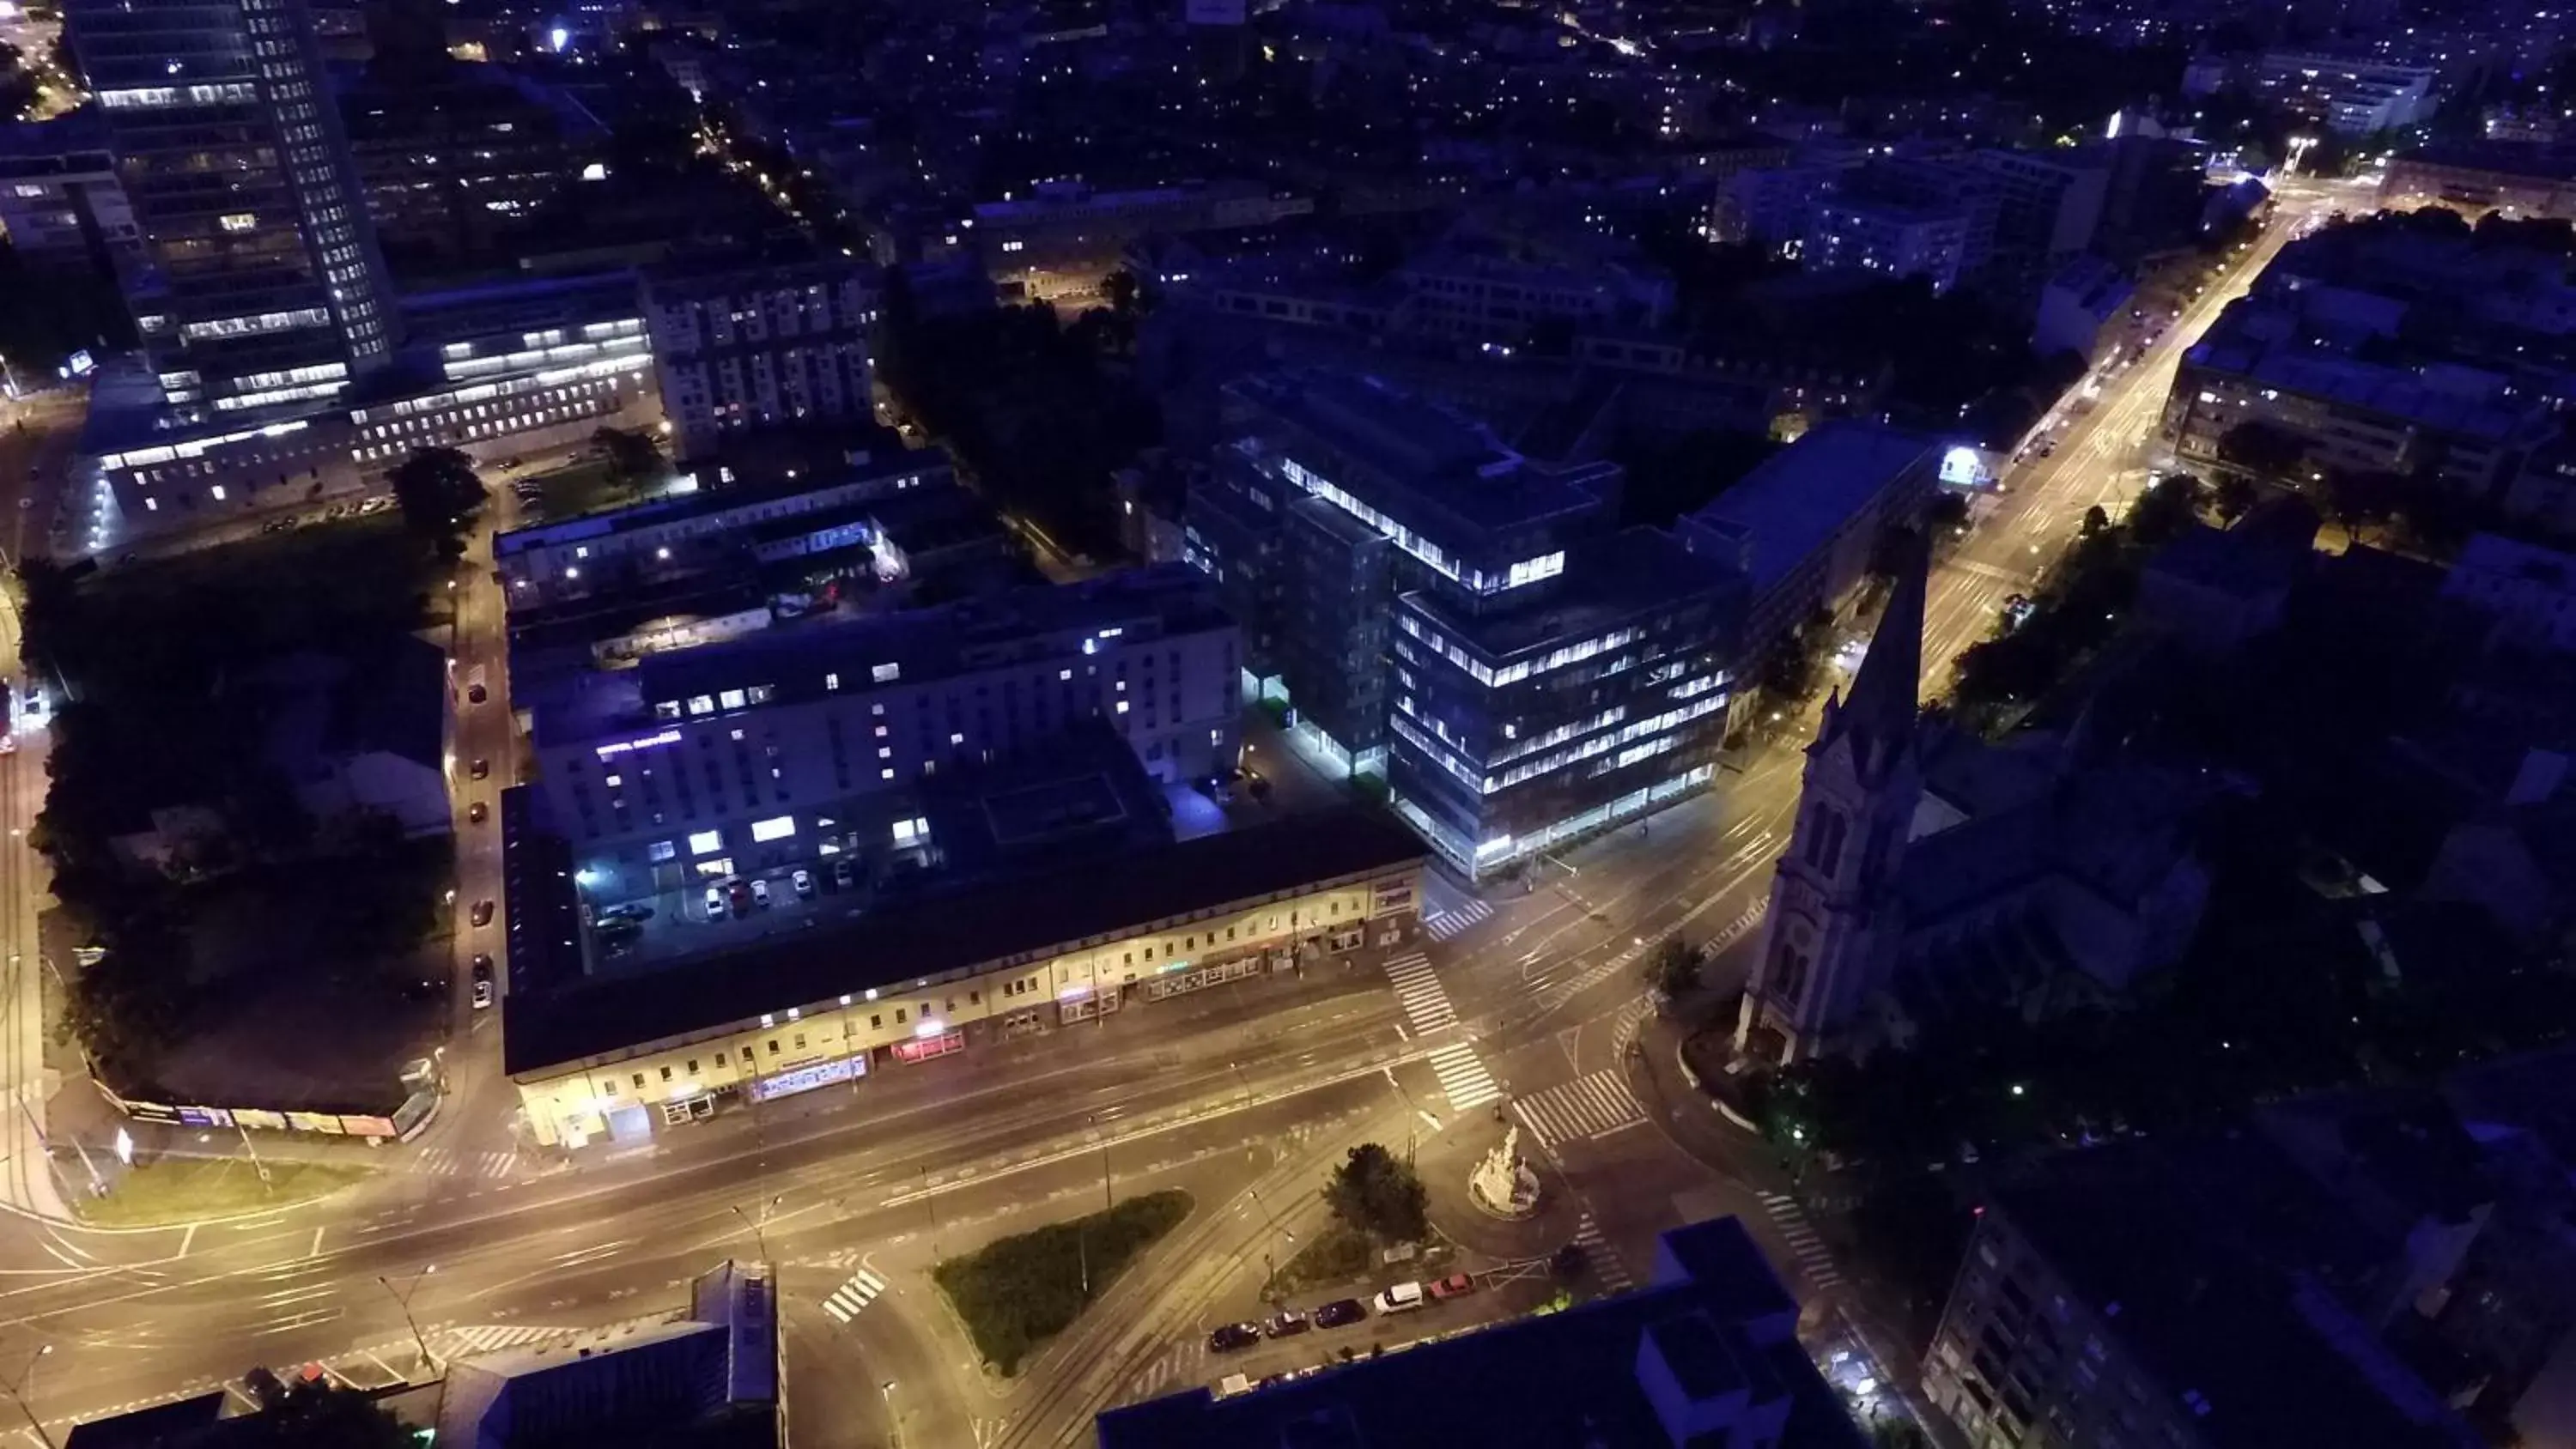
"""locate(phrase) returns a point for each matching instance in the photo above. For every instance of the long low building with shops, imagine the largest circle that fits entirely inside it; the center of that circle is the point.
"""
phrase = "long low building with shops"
(926, 971)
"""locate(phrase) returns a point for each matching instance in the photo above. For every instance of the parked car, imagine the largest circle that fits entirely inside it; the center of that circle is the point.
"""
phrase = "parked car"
(715, 903)
(1456, 1285)
(844, 873)
(803, 880)
(739, 892)
(475, 812)
(482, 913)
(760, 893)
(1340, 1312)
(1287, 1323)
(630, 911)
(1402, 1298)
(476, 694)
(480, 769)
(1234, 1337)
(482, 995)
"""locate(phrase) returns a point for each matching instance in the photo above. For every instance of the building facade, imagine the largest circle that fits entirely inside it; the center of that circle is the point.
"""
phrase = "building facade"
(784, 744)
(61, 204)
(265, 289)
(746, 347)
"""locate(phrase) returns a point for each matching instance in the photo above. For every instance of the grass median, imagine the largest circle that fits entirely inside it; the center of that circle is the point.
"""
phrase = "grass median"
(186, 1189)
(1015, 1293)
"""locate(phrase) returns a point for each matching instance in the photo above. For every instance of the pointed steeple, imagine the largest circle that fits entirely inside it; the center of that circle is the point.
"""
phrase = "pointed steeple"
(1878, 715)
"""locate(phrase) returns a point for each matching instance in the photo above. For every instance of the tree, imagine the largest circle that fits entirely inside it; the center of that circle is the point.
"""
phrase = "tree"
(326, 1416)
(1946, 513)
(436, 489)
(632, 455)
(1375, 1193)
(2233, 497)
(1566, 1263)
(2165, 511)
(1672, 968)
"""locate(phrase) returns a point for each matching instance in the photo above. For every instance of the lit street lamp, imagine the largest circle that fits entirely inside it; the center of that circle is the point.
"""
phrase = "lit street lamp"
(894, 1421)
(18, 1394)
(402, 1299)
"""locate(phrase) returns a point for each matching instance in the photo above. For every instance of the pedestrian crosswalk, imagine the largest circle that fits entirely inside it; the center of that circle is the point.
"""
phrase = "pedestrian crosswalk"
(450, 1162)
(1181, 1363)
(466, 1341)
(1587, 1107)
(1813, 1257)
(1600, 1256)
(1444, 924)
(1418, 988)
(1463, 1079)
(844, 1302)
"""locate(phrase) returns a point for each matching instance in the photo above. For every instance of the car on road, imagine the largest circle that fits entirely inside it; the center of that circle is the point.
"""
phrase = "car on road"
(760, 893)
(629, 911)
(1287, 1323)
(803, 880)
(476, 694)
(475, 812)
(715, 903)
(1456, 1285)
(1234, 1337)
(1340, 1313)
(482, 981)
(482, 913)
(1402, 1298)
(480, 769)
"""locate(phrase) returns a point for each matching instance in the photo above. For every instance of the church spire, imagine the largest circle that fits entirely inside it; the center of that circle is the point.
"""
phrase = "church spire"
(1879, 712)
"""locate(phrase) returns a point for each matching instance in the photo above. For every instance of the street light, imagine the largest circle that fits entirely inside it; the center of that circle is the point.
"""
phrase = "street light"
(758, 1237)
(18, 1395)
(894, 1422)
(402, 1299)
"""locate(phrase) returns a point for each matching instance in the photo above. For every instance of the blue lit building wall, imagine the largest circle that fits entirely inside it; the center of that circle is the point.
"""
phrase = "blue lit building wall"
(1498, 754)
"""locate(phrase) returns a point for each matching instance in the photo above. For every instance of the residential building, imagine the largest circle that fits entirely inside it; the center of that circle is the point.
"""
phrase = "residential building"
(2520, 178)
(450, 155)
(748, 346)
(2349, 95)
(1706, 1354)
(266, 290)
(2529, 591)
(61, 204)
(2048, 209)
(1803, 523)
(2213, 589)
(779, 744)
(931, 971)
(1928, 874)
(1067, 226)
(708, 1378)
(2083, 310)
(2131, 1296)
(1475, 289)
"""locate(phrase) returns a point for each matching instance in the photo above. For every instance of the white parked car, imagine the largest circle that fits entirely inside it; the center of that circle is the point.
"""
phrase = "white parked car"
(1402, 1298)
(715, 903)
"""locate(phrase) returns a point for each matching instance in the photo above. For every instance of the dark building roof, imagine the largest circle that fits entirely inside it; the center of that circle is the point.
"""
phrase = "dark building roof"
(2214, 1263)
(1711, 1342)
(946, 928)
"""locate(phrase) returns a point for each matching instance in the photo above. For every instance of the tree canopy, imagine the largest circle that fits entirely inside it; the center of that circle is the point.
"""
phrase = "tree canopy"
(437, 490)
(1379, 1194)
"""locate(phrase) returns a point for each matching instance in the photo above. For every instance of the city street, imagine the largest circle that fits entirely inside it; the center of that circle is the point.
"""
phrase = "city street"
(1520, 1009)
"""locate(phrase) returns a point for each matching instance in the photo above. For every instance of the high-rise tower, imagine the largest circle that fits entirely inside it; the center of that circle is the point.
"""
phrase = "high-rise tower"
(260, 283)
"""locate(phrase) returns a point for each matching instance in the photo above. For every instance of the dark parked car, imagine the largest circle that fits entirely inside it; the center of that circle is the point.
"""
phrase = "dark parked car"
(1340, 1312)
(482, 913)
(1287, 1323)
(1234, 1337)
(475, 812)
(480, 768)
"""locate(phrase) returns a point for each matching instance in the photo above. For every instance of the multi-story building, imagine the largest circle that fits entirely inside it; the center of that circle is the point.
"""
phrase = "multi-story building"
(264, 288)
(2112, 1298)
(2526, 179)
(775, 746)
(747, 346)
(1932, 240)
(61, 205)
(1069, 227)
(451, 155)
(2349, 95)
(1801, 525)
(1460, 617)
(1467, 291)
(926, 973)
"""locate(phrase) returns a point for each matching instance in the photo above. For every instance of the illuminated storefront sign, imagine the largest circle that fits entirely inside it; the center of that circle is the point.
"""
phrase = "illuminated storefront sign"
(621, 747)
(924, 1049)
(806, 1078)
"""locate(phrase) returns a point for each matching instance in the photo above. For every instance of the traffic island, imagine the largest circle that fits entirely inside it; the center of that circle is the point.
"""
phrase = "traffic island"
(180, 1190)
(1015, 1293)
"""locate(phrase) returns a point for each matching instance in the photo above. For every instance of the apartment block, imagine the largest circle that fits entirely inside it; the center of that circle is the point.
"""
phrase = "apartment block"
(740, 347)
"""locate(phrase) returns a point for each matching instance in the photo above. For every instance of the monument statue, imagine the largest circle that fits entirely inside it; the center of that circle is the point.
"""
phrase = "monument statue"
(1503, 1184)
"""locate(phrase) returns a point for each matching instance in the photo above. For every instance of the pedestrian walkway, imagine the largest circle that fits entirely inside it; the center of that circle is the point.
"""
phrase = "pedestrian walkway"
(1463, 1079)
(845, 1302)
(1600, 1256)
(1418, 989)
(451, 1162)
(1577, 1111)
(1444, 924)
(1182, 1364)
(464, 1342)
(1813, 1258)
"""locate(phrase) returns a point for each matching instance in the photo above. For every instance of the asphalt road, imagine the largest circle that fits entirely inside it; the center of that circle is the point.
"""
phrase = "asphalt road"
(1243, 1098)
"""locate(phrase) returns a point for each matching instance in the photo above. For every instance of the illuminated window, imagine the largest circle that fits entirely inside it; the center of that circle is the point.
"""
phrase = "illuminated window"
(885, 673)
(706, 842)
(776, 827)
(237, 221)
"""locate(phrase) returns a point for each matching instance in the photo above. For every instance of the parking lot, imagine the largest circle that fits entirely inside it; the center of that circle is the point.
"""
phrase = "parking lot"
(650, 930)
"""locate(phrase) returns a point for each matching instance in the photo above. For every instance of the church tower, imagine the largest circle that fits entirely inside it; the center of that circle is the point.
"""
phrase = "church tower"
(1830, 938)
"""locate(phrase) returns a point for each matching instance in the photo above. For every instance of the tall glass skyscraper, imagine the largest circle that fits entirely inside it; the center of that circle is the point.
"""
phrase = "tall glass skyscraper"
(260, 283)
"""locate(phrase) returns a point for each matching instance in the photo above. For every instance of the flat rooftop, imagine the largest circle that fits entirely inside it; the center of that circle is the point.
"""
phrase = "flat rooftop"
(1801, 496)
(1607, 579)
(910, 938)
(891, 461)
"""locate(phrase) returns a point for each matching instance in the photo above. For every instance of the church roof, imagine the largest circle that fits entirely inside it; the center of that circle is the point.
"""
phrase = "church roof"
(1878, 716)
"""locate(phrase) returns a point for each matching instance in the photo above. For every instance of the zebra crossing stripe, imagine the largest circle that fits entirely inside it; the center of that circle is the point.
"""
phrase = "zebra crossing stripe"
(1444, 924)
(1418, 990)
(1463, 1079)
(1587, 1107)
(844, 1302)
(1596, 1246)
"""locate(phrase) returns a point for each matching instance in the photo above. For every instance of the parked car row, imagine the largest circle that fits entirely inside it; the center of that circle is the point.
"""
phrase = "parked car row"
(1340, 1313)
(742, 896)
